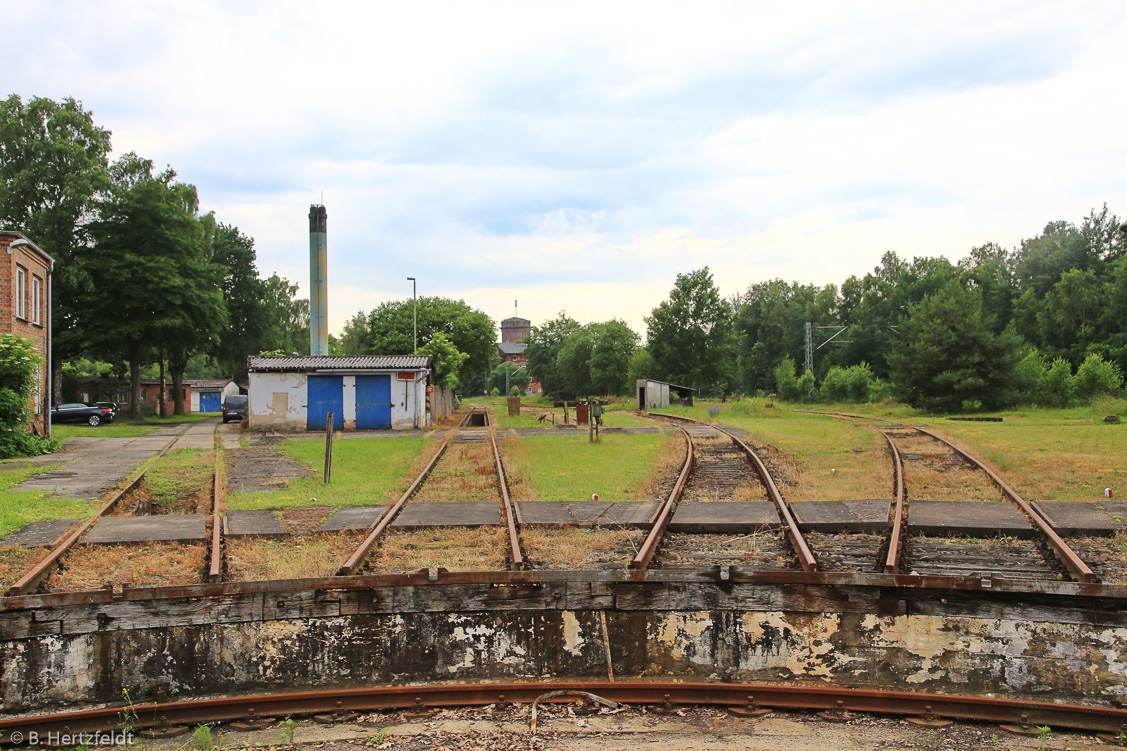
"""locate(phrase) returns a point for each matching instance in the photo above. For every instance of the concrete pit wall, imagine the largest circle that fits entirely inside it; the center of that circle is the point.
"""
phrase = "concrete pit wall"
(1067, 651)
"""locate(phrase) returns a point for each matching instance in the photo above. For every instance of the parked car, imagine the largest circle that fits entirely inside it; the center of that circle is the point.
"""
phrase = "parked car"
(111, 406)
(91, 414)
(235, 407)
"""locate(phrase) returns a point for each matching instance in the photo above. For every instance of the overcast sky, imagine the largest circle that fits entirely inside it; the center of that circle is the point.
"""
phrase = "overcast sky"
(579, 156)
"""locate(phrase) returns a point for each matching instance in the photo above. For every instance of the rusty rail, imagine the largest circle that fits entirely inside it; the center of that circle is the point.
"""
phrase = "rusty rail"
(1067, 555)
(356, 560)
(892, 562)
(215, 569)
(660, 519)
(33, 578)
(510, 521)
(736, 695)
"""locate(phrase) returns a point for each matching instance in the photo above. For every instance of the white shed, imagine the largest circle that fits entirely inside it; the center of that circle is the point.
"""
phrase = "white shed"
(369, 392)
(207, 394)
(654, 394)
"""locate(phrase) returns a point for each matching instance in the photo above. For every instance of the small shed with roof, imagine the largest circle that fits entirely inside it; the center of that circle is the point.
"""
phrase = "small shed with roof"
(369, 392)
(207, 393)
(655, 394)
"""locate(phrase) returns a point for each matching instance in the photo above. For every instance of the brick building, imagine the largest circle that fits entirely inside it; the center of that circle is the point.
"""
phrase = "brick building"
(25, 310)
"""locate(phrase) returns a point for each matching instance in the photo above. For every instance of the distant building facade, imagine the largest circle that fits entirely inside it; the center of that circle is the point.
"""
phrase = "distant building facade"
(512, 346)
(25, 310)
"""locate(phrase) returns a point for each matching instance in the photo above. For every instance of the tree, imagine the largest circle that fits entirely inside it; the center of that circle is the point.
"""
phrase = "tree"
(151, 244)
(53, 163)
(355, 334)
(949, 358)
(447, 360)
(286, 317)
(515, 375)
(19, 365)
(244, 293)
(613, 346)
(690, 335)
(544, 345)
(390, 331)
(573, 363)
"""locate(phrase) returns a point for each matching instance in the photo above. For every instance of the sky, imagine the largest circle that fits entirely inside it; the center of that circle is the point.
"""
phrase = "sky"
(577, 156)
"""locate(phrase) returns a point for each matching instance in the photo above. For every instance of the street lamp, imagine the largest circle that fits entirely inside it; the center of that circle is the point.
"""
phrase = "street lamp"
(414, 312)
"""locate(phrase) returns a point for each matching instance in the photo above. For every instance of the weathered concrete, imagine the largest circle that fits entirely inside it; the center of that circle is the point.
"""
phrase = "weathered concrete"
(199, 435)
(448, 514)
(971, 518)
(253, 523)
(841, 516)
(40, 534)
(110, 530)
(353, 517)
(725, 517)
(587, 513)
(95, 465)
(1072, 518)
(940, 641)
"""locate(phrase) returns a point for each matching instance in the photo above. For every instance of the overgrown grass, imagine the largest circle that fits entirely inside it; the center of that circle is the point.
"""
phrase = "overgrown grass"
(452, 548)
(366, 472)
(294, 557)
(22, 507)
(614, 415)
(117, 429)
(149, 564)
(180, 481)
(568, 468)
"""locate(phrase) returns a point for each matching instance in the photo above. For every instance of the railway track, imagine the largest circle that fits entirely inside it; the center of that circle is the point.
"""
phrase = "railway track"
(740, 698)
(35, 578)
(720, 468)
(474, 430)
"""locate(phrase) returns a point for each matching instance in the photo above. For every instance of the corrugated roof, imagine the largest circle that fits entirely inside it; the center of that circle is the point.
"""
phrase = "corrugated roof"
(207, 383)
(341, 362)
(512, 348)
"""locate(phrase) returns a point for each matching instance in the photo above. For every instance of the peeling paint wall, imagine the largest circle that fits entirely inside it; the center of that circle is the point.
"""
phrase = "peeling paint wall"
(1081, 663)
(277, 401)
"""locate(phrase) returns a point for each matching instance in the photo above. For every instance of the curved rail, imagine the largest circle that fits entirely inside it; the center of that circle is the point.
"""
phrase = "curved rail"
(892, 561)
(660, 519)
(735, 695)
(805, 556)
(33, 578)
(1066, 554)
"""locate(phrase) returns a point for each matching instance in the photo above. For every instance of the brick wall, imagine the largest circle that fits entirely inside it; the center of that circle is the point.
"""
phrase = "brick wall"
(21, 263)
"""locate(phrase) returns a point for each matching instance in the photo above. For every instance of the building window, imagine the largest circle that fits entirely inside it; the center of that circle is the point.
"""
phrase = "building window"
(36, 298)
(21, 292)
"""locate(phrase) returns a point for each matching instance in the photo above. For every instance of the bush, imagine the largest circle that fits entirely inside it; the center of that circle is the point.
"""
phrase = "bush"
(1029, 376)
(1058, 387)
(786, 383)
(1097, 376)
(855, 384)
(18, 365)
(514, 391)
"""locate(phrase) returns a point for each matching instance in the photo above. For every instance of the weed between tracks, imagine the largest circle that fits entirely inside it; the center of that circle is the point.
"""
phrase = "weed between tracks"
(293, 557)
(466, 472)
(574, 549)
(152, 564)
(177, 483)
(452, 548)
(16, 561)
(934, 472)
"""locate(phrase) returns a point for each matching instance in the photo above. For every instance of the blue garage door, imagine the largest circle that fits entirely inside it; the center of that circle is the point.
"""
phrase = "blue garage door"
(326, 394)
(373, 402)
(209, 401)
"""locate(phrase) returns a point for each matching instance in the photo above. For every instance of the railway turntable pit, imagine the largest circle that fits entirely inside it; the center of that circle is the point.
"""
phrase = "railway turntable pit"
(729, 598)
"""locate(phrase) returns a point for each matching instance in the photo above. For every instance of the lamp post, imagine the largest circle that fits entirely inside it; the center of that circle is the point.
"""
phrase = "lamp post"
(414, 312)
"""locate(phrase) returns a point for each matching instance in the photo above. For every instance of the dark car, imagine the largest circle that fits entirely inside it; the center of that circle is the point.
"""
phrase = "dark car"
(235, 407)
(91, 414)
(111, 406)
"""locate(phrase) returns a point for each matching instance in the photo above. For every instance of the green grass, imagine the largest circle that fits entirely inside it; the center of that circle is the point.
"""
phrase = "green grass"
(366, 472)
(22, 507)
(118, 429)
(177, 479)
(568, 468)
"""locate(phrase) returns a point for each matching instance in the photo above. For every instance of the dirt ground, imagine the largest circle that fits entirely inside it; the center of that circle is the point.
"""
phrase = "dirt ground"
(559, 728)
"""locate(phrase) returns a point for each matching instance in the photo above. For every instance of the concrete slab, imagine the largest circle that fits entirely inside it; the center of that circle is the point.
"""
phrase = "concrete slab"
(1077, 518)
(199, 435)
(841, 516)
(40, 534)
(574, 514)
(701, 431)
(353, 517)
(162, 527)
(229, 435)
(970, 518)
(448, 514)
(631, 514)
(1117, 510)
(257, 523)
(724, 517)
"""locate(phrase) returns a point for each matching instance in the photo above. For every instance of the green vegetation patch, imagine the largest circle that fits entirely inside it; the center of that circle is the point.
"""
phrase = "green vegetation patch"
(568, 468)
(180, 481)
(117, 429)
(21, 507)
(366, 472)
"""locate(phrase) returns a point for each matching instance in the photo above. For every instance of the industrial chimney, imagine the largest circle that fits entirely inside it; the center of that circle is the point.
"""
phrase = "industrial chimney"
(318, 281)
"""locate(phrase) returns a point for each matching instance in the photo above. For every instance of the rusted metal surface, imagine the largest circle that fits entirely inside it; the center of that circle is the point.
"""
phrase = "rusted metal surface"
(517, 559)
(356, 560)
(661, 518)
(1066, 554)
(480, 694)
(33, 578)
(892, 561)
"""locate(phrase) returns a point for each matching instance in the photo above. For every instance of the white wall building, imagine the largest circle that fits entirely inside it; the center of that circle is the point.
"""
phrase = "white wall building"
(370, 392)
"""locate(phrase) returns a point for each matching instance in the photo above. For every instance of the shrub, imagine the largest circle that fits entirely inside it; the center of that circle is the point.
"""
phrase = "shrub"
(854, 384)
(786, 383)
(1029, 376)
(1058, 387)
(1097, 376)
(18, 365)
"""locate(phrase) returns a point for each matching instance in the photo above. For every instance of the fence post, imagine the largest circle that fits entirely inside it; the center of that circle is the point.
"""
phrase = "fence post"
(329, 448)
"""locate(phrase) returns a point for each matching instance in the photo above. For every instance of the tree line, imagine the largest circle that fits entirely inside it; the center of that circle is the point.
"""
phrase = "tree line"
(142, 275)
